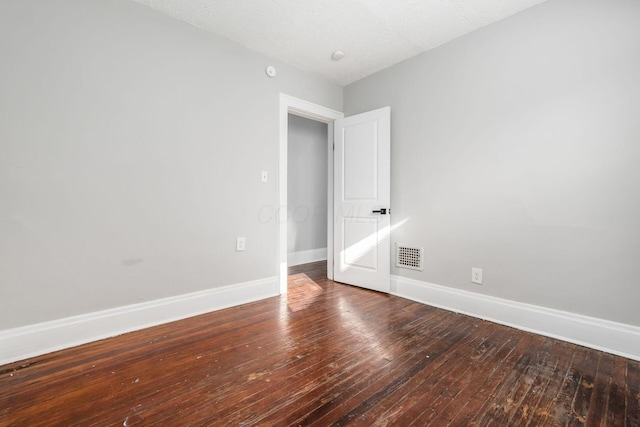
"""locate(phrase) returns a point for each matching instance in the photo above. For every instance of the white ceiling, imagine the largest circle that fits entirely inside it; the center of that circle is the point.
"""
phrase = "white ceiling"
(374, 34)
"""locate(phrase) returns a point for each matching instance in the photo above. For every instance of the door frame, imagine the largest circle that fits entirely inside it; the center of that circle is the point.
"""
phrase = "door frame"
(318, 113)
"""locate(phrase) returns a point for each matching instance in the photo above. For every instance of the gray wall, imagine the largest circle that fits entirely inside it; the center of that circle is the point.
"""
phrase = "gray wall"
(516, 149)
(131, 146)
(306, 185)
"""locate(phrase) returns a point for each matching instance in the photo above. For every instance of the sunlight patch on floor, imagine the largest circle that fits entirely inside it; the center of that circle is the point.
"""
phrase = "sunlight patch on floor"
(303, 291)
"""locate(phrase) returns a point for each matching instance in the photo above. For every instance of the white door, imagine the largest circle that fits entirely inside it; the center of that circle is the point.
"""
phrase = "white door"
(362, 251)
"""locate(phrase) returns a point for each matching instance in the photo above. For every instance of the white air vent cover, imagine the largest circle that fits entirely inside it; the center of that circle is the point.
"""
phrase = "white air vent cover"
(409, 257)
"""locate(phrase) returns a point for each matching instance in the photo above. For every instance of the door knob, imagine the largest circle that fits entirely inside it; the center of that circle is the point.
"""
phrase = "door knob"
(382, 211)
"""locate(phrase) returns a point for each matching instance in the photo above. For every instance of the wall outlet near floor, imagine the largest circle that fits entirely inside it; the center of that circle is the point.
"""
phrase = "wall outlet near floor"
(476, 275)
(240, 244)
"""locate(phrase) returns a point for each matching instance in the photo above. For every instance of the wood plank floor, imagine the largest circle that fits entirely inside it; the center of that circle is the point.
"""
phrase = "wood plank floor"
(325, 354)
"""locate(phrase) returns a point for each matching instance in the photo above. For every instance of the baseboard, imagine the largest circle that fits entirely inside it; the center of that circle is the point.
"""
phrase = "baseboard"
(34, 340)
(612, 337)
(304, 257)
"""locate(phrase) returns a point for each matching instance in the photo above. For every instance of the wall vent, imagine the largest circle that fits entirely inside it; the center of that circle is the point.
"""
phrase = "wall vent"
(409, 257)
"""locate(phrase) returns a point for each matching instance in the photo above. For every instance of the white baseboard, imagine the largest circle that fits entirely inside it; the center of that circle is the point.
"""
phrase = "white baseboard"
(304, 257)
(616, 338)
(33, 340)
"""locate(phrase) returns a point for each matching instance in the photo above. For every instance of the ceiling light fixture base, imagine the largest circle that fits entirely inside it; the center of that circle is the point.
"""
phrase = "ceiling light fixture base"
(337, 55)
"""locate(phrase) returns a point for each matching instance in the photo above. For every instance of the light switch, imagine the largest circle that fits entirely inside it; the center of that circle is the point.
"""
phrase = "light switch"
(240, 244)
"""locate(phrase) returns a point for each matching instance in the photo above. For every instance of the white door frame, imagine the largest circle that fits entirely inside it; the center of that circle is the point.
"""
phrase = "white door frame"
(302, 108)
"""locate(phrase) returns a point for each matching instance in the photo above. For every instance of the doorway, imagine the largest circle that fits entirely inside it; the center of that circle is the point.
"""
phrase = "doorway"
(307, 192)
(308, 110)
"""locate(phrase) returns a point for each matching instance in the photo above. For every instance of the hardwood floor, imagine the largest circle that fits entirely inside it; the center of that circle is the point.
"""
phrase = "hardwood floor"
(325, 354)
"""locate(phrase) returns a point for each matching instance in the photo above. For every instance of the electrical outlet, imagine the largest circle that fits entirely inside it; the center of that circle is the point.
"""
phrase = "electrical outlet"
(240, 244)
(476, 275)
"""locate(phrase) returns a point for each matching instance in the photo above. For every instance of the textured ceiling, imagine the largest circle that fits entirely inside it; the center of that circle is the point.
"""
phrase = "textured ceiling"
(374, 34)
